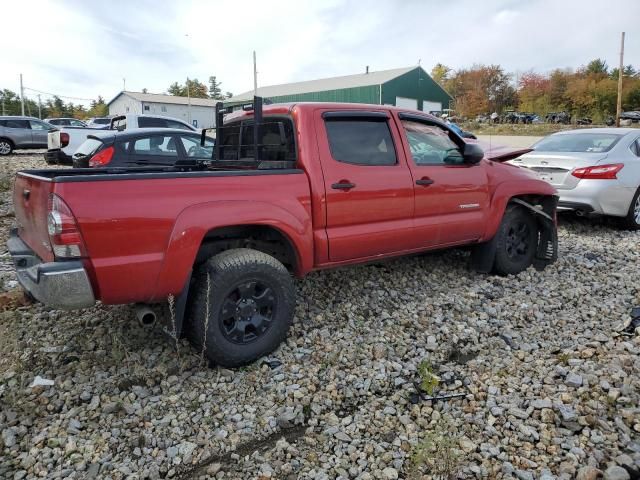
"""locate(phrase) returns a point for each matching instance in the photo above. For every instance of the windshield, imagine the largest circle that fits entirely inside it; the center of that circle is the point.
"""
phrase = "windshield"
(578, 142)
(102, 121)
(89, 147)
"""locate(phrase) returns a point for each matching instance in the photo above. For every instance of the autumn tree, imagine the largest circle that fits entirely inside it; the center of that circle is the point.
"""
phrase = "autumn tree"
(440, 73)
(481, 89)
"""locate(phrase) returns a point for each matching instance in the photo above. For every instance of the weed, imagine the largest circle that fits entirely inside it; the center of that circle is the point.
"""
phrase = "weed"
(428, 380)
(438, 453)
(5, 184)
(564, 358)
(206, 319)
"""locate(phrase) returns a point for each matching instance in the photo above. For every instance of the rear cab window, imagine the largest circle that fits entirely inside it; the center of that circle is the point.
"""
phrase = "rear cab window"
(361, 141)
(276, 143)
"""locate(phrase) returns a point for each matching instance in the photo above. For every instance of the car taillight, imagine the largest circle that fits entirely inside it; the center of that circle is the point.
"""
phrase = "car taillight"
(64, 139)
(601, 172)
(102, 158)
(63, 230)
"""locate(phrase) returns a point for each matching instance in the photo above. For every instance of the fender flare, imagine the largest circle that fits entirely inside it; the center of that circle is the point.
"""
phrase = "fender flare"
(194, 222)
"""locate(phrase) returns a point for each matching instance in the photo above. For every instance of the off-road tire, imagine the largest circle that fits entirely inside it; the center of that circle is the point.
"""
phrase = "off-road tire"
(6, 146)
(226, 272)
(632, 220)
(516, 241)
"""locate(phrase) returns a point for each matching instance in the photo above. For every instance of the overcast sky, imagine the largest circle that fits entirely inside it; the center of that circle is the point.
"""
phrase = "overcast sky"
(84, 49)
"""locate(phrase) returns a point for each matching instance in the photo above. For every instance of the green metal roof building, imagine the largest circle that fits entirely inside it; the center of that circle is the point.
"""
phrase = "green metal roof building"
(409, 87)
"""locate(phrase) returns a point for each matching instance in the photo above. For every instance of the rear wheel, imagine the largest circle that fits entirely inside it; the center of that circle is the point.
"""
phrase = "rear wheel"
(249, 297)
(6, 147)
(632, 220)
(516, 241)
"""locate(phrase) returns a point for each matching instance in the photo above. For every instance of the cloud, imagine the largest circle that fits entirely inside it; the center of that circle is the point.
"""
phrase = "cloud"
(85, 49)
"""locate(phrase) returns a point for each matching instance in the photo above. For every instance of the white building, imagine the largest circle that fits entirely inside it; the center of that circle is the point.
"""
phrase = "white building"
(201, 113)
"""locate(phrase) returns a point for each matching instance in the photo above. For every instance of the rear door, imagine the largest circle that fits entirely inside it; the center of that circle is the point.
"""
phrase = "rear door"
(451, 196)
(369, 192)
(155, 150)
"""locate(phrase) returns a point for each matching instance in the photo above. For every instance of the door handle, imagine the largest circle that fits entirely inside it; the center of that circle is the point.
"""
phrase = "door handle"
(343, 185)
(424, 181)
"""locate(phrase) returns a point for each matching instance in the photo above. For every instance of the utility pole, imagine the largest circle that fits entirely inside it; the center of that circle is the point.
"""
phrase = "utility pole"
(124, 84)
(620, 71)
(188, 102)
(21, 95)
(4, 112)
(39, 108)
(255, 75)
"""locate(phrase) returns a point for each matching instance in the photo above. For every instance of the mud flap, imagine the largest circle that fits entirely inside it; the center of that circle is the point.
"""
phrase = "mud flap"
(483, 255)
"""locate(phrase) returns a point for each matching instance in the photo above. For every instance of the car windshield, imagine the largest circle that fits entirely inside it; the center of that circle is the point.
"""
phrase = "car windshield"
(102, 121)
(578, 142)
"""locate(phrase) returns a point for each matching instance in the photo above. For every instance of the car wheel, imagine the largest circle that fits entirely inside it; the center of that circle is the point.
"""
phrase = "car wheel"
(6, 147)
(242, 307)
(516, 241)
(632, 220)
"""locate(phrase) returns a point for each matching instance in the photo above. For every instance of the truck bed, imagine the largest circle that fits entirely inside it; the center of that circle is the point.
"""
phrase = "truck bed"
(129, 225)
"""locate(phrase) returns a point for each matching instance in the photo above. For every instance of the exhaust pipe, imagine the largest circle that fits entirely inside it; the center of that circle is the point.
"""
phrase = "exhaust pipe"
(146, 317)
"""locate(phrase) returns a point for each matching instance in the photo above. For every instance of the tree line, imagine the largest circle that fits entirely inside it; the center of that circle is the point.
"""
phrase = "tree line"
(51, 108)
(196, 89)
(590, 90)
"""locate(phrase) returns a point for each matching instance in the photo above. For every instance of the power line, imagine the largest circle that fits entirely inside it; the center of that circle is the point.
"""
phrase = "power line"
(61, 96)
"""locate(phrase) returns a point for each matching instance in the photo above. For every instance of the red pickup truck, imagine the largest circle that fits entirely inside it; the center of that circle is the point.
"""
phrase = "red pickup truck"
(291, 188)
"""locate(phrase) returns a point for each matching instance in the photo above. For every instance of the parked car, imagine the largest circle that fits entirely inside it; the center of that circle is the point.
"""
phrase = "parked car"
(66, 122)
(596, 171)
(22, 132)
(463, 133)
(142, 147)
(63, 142)
(99, 122)
(324, 185)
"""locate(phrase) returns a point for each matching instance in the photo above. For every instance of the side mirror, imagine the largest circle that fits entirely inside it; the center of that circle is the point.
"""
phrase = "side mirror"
(472, 153)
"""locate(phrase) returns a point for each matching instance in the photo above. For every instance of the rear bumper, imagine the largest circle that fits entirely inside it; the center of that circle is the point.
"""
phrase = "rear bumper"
(57, 157)
(62, 285)
(604, 197)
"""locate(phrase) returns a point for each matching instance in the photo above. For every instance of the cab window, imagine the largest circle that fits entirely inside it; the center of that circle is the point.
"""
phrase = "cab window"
(431, 144)
(194, 150)
(361, 141)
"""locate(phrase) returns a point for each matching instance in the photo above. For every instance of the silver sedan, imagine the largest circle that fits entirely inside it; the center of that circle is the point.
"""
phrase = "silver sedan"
(595, 170)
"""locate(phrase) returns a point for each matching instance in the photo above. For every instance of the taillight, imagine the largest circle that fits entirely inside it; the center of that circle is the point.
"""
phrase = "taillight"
(64, 139)
(63, 230)
(102, 158)
(601, 172)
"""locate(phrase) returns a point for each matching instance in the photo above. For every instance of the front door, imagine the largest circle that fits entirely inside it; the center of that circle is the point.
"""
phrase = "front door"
(451, 196)
(369, 191)
(39, 132)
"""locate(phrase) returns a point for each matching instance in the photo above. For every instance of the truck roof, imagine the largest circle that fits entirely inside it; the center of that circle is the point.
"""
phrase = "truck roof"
(286, 108)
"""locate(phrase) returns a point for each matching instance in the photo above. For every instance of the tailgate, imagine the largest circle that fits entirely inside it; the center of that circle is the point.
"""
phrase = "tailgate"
(53, 140)
(31, 205)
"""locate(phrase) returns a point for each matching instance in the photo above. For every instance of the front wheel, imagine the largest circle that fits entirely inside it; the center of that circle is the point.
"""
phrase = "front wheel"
(516, 241)
(6, 147)
(242, 307)
(632, 220)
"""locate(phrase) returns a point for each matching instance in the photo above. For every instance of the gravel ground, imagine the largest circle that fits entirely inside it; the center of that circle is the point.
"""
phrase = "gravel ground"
(549, 383)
